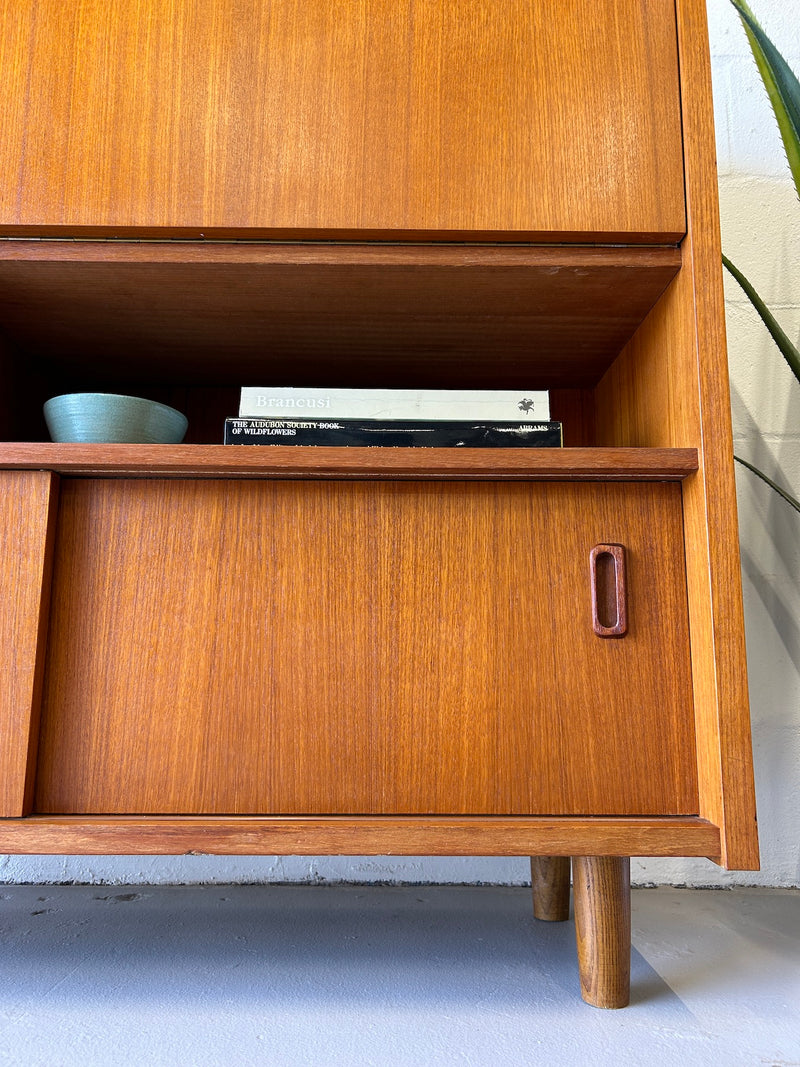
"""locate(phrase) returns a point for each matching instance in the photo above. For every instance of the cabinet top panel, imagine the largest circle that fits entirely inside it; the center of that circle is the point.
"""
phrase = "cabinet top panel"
(556, 120)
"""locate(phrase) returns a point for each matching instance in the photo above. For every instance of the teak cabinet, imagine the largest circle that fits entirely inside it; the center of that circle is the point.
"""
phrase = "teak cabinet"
(388, 651)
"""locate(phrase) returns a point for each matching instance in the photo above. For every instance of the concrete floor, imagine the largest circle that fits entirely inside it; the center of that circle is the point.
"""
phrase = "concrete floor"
(358, 976)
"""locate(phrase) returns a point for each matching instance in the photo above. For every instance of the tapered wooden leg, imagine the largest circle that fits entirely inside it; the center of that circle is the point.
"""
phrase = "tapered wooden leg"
(602, 891)
(550, 885)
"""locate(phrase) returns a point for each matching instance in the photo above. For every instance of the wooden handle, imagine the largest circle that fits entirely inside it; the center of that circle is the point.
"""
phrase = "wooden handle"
(609, 594)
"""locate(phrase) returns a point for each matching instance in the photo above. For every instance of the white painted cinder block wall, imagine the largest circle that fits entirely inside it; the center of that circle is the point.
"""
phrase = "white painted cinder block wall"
(761, 233)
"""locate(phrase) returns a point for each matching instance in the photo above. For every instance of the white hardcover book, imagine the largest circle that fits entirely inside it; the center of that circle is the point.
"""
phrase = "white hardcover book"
(430, 405)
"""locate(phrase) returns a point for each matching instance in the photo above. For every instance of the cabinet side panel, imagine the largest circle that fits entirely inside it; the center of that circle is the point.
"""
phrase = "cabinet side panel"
(27, 523)
(725, 743)
(670, 388)
(413, 117)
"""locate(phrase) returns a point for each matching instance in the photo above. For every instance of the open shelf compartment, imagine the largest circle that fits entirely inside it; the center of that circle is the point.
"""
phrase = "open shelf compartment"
(189, 323)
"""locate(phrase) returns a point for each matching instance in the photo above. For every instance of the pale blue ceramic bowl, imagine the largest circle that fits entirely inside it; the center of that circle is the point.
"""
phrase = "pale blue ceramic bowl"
(108, 417)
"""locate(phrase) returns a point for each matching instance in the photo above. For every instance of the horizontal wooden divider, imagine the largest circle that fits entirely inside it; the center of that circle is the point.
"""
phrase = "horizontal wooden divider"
(309, 461)
(359, 835)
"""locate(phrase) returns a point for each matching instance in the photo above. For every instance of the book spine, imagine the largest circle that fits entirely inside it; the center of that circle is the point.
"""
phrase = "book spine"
(393, 433)
(431, 405)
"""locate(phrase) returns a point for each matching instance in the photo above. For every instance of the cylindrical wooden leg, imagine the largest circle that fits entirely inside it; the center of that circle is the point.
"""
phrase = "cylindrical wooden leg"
(602, 892)
(550, 885)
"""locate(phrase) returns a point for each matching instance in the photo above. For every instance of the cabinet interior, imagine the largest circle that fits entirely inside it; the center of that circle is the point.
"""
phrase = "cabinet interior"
(188, 323)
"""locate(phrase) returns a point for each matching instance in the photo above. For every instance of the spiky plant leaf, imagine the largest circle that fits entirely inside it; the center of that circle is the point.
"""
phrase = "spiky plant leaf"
(779, 336)
(781, 84)
(792, 501)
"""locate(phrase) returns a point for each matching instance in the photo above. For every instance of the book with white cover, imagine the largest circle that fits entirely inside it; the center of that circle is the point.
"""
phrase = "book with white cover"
(477, 405)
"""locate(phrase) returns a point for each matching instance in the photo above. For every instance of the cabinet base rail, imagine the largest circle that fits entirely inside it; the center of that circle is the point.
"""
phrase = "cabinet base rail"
(377, 835)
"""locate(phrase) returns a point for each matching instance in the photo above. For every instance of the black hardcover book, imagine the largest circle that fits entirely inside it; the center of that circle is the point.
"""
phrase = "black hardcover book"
(392, 433)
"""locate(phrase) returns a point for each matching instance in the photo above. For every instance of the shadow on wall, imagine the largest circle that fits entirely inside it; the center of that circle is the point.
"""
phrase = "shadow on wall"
(769, 536)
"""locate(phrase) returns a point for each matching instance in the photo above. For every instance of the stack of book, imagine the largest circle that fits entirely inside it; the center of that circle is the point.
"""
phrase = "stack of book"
(436, 418)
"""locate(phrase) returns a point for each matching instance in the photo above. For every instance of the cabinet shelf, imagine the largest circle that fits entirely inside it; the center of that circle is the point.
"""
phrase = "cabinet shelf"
(442, 316)
(302, 461)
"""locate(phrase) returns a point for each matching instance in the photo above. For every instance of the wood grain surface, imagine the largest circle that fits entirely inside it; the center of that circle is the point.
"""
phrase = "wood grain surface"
(420, 315)
(329, 647)
(315, 462)
(364, 835)
(27, 526)
(559, 118)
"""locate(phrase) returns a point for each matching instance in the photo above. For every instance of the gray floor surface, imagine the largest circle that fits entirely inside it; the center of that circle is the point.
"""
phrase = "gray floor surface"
(370, 975)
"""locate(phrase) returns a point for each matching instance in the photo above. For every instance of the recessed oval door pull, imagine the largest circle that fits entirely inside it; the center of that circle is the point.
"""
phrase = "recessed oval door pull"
(609, 593)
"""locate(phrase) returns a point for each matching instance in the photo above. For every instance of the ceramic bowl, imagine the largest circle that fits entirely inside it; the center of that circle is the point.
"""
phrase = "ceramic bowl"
(108, 417)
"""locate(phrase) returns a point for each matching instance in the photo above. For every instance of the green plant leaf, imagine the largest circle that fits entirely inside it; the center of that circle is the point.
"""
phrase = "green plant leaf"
(792, 501)
(781, 84)
(779, 336)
